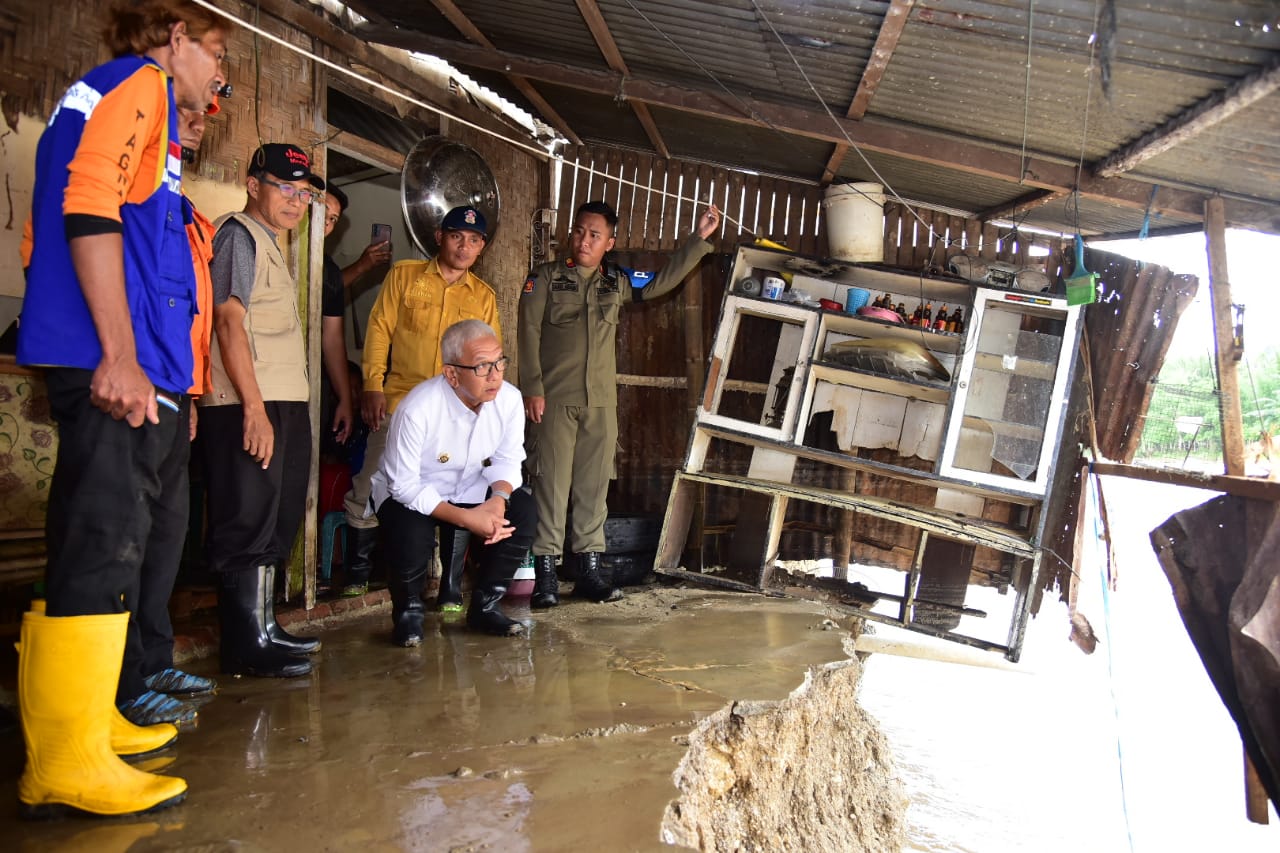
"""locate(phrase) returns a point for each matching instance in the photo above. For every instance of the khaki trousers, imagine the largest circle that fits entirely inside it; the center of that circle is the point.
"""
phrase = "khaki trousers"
(358, 498)
(571, 455)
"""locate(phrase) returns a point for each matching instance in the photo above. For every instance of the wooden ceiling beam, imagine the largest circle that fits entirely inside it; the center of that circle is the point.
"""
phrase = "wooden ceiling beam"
(367, 151)
(1192, 121)
(609, 49)
(468, 29)
(1020, 205)
(895, 20)
(899, 139)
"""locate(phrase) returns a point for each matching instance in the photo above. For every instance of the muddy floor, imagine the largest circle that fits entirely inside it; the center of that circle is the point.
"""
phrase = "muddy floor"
(711, 720)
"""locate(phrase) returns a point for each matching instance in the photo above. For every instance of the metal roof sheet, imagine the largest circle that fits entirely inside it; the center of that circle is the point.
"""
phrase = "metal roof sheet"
(959, 69)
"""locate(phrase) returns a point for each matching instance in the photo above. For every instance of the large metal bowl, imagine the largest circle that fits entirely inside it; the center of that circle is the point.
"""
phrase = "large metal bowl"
(440, 174)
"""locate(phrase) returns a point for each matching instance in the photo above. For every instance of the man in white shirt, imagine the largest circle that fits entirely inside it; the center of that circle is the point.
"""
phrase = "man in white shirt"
(453, 457)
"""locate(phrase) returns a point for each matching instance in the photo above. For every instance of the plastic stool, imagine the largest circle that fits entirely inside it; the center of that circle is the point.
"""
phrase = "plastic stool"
(333, 522)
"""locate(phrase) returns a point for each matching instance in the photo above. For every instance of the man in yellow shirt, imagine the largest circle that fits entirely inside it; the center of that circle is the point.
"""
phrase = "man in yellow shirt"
(418, 301)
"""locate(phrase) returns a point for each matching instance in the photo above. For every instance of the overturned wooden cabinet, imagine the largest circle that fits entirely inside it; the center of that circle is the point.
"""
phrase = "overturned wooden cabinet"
(939, 443)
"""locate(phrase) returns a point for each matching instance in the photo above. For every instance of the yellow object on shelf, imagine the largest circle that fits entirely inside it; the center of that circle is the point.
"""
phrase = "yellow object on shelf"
(769, 244)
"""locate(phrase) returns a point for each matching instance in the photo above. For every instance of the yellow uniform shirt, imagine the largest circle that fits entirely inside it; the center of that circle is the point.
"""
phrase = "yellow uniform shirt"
(410, 314)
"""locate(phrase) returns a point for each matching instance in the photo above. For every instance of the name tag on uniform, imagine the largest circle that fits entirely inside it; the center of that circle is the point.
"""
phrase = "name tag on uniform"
(564, 284)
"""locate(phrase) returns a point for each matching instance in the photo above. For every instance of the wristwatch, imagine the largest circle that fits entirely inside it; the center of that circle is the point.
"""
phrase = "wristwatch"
(498, 493)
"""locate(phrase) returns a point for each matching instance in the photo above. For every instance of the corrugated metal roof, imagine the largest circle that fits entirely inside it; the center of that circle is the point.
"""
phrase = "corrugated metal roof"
(959, 68)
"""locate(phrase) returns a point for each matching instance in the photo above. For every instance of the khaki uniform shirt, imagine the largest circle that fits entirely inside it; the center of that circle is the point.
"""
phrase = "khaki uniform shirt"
(568, 327)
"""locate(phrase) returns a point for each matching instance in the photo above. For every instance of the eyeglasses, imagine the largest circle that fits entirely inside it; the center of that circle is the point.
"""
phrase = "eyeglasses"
(290, 191)
(484, 368)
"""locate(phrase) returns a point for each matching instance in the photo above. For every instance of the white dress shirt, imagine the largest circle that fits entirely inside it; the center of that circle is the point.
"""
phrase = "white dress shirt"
(439, 450)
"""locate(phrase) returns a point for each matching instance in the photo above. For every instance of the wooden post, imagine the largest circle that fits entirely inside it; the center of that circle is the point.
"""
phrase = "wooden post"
(1228, 382)
(314, 278)
(1229, 409)
(843, 544)
(695, 368)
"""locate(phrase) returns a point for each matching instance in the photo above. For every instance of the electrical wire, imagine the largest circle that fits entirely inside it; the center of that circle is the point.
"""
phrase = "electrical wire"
(1026, 99)
(1088, 99)
(836, 122)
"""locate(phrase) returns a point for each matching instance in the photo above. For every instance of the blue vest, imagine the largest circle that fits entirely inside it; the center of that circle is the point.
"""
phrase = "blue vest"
(160, 285)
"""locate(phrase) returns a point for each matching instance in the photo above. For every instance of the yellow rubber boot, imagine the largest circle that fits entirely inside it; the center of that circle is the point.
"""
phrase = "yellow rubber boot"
(127, 739)
(67, 676)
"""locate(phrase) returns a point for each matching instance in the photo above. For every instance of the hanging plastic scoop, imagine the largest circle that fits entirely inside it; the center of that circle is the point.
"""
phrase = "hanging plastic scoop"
(1082, 286)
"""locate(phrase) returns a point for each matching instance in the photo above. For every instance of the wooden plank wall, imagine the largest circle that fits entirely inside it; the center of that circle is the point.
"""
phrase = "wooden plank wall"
(919, 238)
(658, 201)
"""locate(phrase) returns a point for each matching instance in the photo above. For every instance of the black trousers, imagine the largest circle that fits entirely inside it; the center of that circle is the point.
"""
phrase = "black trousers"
(253, 515)
(409, 536)
(117, 520)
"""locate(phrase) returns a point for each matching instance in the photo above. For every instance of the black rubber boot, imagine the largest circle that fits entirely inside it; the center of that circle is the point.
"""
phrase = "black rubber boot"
(406, 605)
(453, 560)
(546, 586)
(280, 638)
(497, 568)
(245, 647)
(589, 584)
(357, 559)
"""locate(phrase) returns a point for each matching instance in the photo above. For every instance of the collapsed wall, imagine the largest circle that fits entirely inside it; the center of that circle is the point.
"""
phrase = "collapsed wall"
(811, 772)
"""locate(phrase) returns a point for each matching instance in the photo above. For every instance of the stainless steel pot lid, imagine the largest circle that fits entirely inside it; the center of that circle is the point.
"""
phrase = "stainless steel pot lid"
(440, 174)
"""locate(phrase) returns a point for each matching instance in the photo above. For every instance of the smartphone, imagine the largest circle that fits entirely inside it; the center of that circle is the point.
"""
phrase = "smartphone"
(381, 233)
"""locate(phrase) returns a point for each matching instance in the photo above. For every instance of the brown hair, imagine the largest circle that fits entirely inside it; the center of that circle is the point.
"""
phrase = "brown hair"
(136, 26)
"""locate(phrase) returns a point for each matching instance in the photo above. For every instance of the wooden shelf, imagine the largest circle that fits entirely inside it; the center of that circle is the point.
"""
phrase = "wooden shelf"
(1005, 428)
(1028, 367)
(942, 522)
(870, 466)
(865, 327)
(854, 377)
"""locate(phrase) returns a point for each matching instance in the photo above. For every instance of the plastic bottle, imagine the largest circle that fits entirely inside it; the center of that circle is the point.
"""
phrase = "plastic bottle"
(940, 320)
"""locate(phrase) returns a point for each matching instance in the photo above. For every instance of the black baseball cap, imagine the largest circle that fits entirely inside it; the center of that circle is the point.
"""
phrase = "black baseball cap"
(286, 162)
(337, 193)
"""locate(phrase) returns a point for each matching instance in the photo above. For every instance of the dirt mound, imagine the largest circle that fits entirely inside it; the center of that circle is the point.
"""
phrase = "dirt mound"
(811, 772)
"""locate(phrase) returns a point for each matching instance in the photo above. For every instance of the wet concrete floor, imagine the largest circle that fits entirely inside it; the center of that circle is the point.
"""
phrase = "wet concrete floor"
(562, 740)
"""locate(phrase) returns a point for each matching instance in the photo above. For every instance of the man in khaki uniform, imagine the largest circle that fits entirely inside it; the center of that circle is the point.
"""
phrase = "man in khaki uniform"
(418, 301)
(568, 374)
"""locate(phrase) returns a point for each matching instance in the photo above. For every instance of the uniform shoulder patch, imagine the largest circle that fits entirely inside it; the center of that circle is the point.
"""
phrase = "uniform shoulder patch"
(638, 278)
(528, 284)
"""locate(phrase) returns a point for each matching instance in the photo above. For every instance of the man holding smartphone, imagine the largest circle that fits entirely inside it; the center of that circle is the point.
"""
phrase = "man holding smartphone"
(336, 405)
(418, 301)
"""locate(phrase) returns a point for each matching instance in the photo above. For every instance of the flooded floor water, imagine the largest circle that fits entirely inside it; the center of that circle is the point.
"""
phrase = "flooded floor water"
(563, 740)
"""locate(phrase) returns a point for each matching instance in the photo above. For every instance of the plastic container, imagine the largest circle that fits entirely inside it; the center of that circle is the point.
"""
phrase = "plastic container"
(855, 222)
(773, 287)
(855, 298)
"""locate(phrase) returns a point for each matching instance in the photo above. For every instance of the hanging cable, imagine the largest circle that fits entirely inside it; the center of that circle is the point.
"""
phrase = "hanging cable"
(840, 127)
(1026, 98)
(1088, 98)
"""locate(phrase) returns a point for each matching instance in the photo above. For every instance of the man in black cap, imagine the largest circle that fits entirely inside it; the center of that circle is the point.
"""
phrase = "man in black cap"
(418, 301)
(255, 426)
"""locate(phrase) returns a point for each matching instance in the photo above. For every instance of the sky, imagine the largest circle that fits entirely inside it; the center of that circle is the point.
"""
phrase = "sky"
(1253, 269)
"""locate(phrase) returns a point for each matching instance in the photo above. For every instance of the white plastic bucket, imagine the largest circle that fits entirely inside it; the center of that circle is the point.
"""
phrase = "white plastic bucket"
(855, 221)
